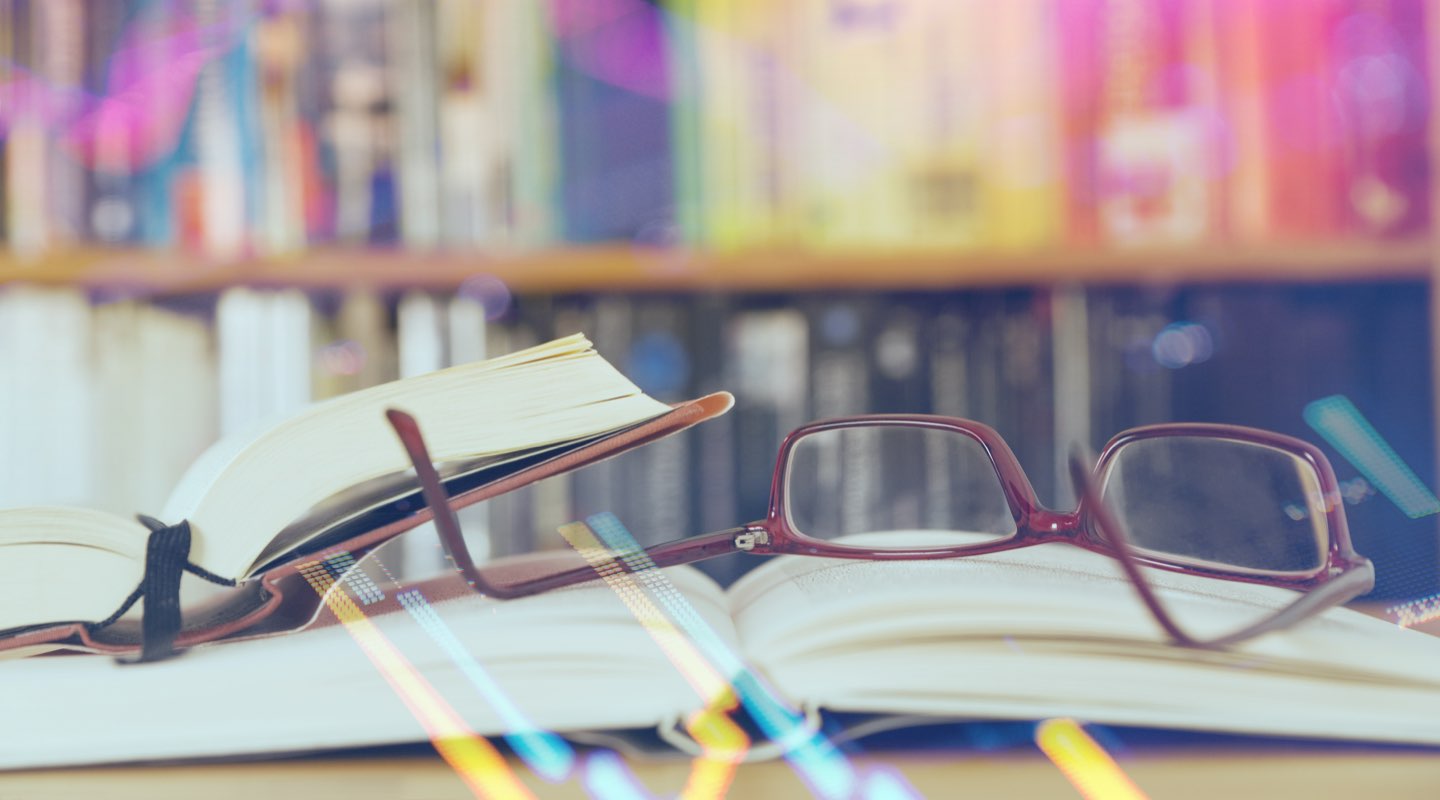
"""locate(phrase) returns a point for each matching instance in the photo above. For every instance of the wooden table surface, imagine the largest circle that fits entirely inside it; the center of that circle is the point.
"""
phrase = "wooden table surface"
(1226, 773)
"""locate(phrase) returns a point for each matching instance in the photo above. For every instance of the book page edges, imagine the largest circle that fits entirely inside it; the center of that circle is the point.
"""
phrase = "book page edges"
(597, 668)
(368, 449)
(1054, 591)
(280, 602)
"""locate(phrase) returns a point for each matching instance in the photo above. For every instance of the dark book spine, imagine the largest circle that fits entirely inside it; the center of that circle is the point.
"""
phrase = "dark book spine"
(658, 360)
(112, 212)
(840, 386)
(602, 487)
(615, 129)
(1028, 392)
(946, 336)
(714, 454)
(899, 370)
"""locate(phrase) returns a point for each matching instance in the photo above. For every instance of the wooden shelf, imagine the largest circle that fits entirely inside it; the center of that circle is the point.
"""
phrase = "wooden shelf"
(622, 267)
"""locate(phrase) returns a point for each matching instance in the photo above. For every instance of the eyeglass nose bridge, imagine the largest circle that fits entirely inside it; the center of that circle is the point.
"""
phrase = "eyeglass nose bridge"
(1049, 524)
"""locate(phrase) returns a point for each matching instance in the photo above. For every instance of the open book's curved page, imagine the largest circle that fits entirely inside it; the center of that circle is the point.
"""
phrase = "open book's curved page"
(569, 660)
(1055, 630)
(243, 492)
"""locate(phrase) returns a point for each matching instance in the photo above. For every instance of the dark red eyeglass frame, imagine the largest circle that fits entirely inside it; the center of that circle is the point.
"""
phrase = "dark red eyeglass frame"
(1344, 575)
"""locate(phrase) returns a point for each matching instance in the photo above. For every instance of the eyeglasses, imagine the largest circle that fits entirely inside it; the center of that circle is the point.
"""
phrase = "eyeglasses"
(1218, 501)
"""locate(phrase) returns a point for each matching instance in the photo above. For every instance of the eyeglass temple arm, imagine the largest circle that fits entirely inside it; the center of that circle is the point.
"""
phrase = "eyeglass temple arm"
(433, 491)
(447, 524)
(1110, 529)
(1345, 587)
(682, 551)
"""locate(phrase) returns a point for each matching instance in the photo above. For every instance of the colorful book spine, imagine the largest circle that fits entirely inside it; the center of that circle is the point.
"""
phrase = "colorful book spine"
(1381, 89)
(611, 85)
(1024, 186)
(1302, 132)
(1155, 153)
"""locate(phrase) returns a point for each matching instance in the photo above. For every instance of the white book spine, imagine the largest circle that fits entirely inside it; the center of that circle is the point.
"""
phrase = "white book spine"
(411, 28)
(235, 341)
(222, 202)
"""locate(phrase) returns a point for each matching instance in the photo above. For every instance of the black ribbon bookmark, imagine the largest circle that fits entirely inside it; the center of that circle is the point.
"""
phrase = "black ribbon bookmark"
(167, 559)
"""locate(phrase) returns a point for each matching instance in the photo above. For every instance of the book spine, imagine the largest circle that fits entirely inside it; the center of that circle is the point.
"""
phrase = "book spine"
(853, 186)
(947, 98)
(683, 36)
(62, 61)
(1380, 68)
(220, 190)
(1081, 66)
(1028, 389)
(26, 146)
(899, 372)
(658, 361)
(104, 139)
(840, 386)
(947, 348)
(532, 117)
(714, 459)
(1301, 127)
(615, 142)
(467, 122)
(768, 355)
(411, 29)
(1024, 179)
(1155, 147)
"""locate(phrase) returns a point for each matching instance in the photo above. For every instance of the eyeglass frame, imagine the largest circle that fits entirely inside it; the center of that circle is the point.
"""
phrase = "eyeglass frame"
(1092, 526)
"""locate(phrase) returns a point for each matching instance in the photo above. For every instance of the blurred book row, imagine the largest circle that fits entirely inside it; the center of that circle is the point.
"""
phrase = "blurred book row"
(260, 128)
(103, 403)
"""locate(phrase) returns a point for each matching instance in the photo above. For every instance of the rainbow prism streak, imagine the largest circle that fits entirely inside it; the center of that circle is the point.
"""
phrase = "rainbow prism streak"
(474, 759)
(1085, 763)
(606, 545)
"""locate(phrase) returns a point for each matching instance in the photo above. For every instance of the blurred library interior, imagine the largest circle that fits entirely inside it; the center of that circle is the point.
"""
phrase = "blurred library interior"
(1061, 218)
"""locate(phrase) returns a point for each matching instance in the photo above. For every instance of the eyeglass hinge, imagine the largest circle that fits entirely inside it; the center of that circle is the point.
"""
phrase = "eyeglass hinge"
(748, 539)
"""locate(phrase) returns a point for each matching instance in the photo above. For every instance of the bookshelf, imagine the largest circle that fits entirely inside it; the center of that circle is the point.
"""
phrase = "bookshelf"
(1070, 279)
(619, 267)
(1045, 213)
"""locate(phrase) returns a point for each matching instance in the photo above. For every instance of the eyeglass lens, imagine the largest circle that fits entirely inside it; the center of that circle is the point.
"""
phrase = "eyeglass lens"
(1218, 502)
(896, 479)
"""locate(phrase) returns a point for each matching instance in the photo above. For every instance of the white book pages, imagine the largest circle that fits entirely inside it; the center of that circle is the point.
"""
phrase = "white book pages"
(1057, 630)
(566, 661)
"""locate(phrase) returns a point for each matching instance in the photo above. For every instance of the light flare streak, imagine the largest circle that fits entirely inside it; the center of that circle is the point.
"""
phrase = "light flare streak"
(1084, 762)
(1346, 429)
(474, 759)
(605, 542)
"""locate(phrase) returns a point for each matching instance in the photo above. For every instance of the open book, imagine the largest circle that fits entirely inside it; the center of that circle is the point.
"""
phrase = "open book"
(1038, 632)
(332, 476)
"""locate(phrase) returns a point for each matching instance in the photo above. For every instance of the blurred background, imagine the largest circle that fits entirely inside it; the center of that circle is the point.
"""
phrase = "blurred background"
(1061, 218)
